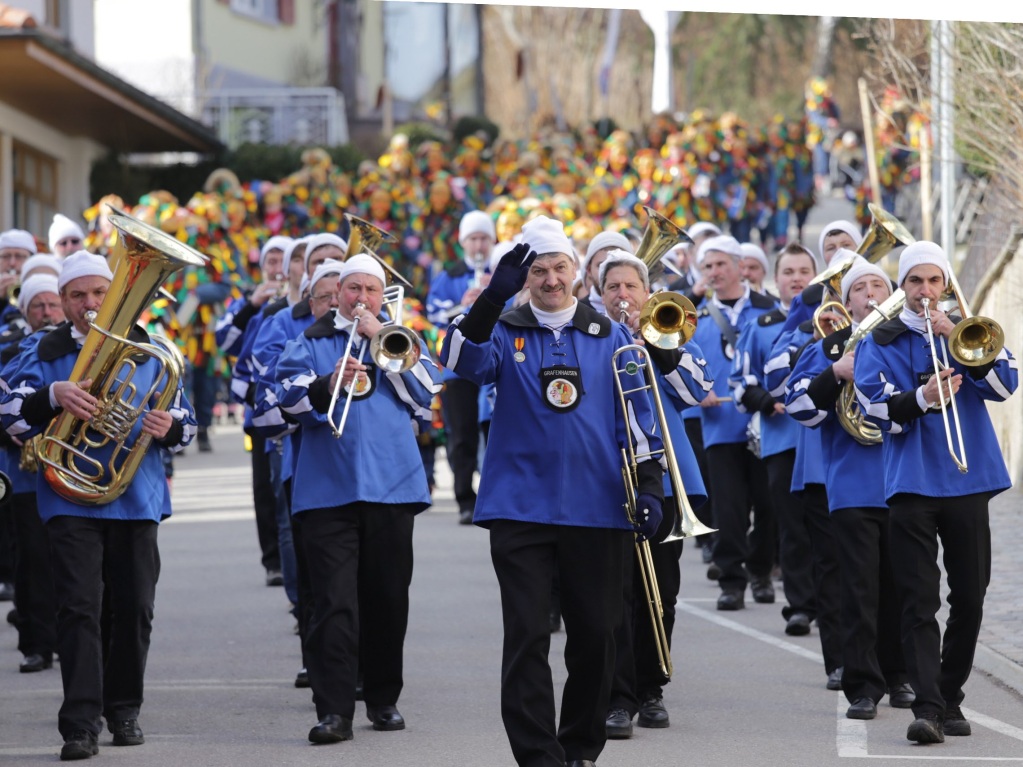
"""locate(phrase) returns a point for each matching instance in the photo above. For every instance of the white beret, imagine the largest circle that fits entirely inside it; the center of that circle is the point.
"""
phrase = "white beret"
(290, 248)
(18, 238)
(82, 263)
(861, 268)
(277, 242)
(62, 227)
(40, 261)
(362, 263)
(749, 250)
(607, 239)
(724, 243)
(327, 268)
(702, 227)
(319, 241)
(922, 252)
(476, 222)
(546, 235)
(842, 226)
(623, 258)
(33, 286)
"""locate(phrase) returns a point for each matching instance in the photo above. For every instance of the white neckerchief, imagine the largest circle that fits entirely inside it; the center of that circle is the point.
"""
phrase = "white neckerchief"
(76, 336)
(597, 300)
(343, 323)
(555, 321)
(733, 312)
(854, 325)
(913, 321)
(784, 308)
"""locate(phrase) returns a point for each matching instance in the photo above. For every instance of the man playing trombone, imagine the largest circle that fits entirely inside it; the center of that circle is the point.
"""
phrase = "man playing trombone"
(911, 382)
(357, 493)
(548, 511)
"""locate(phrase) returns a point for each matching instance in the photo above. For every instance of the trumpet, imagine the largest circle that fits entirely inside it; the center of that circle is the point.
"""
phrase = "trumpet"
(947, 404)
(394, 349)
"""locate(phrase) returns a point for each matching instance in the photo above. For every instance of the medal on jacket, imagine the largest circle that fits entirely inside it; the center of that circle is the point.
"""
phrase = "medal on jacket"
(561, 388)
(520, 343)
(363, 385)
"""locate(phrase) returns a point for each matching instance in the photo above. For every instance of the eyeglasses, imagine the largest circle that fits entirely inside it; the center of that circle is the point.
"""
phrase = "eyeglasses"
(70, 241)
(322, 297)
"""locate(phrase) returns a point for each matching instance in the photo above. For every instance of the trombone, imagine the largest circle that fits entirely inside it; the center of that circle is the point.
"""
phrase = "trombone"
(394, 349)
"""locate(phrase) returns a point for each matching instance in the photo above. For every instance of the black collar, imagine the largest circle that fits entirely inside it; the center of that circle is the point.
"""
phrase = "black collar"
(760, 301)
(812, 295)
(58, 342)
(771, 318)
(301, 309)
(456, 268)
(887, 332)
(834, 345)
(584, 319)
(275, 306)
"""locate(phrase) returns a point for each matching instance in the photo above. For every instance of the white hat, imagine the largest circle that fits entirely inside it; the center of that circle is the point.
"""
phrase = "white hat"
(842, 226)
(62, 227)
(362, 263)
(618, 258)
(724, 243)
(290, 247)
(922, 252)
(749, 250)
(82, 263)
(40, 261)
(33, 286)
(327, 268)
(702, 227)
(318, 241)
(546, 235)
(18, 238)
(861, 268)
(476, 222)
(277, 242)
(499, 251)
(607, 239)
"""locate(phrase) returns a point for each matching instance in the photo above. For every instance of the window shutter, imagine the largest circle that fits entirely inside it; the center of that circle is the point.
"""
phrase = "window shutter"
(286, 11)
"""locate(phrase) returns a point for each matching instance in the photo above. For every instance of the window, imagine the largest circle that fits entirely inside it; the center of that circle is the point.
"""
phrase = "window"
(35, 189)
(270, 11)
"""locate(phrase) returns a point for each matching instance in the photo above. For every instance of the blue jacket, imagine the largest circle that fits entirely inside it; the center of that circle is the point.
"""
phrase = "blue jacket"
(26, 411)
(17, 341)
(777, 432)
(558, 463)
(231, 325)
(854, 472)
(725, 424)
(891, 364)
(376, 459)
(276, 331)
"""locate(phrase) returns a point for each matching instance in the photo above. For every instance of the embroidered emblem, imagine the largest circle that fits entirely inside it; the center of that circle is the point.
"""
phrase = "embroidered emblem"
(561, 393)
(593, 329)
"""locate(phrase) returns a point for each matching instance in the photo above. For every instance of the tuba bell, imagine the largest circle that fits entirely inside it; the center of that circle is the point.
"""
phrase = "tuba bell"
(367, 238)
(88, 461)
(660, 236)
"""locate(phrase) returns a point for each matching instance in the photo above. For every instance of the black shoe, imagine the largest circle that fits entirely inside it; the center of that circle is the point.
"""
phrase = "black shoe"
(465, 517)
(762, 590)
(331, 729)
(652, 714)
(555, 620)
(731, 600)
(713, 572)
(618, 724)
(926, 729)
(274, 578)
(203, 439)
(862, 708)
(385, 718)
(954, 722)
(81, 744)
(126, 732)
(581, 763)
(901, 696)
(35, 662)
(12, 617)
(302, 678)
(835, 679)
(798, 625)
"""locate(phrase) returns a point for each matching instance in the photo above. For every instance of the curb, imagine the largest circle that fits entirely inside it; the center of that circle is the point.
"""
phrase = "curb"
(994, 664)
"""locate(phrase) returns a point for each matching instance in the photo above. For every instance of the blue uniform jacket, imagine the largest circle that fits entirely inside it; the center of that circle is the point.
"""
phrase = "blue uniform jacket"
(273, 336)
(854, 473)
(10, 458)
(749, 390)
(545, 466)
(25, 411)
(725, 424)
(891, 363)
(376, 459)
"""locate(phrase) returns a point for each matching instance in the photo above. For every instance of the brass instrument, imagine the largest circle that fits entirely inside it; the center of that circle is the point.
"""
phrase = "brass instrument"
(949, 403)
(394, 349)
(366, 238)
(667, 320)
(5, 486)
(28, 459)
(660, 236)
(143, 258)
(685, 524)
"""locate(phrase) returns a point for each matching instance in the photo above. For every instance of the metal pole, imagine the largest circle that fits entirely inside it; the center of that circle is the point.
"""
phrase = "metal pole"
(947, 139)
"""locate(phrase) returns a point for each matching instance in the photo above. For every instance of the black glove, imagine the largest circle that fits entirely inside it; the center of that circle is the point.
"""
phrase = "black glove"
(510, 274)
(648, 516)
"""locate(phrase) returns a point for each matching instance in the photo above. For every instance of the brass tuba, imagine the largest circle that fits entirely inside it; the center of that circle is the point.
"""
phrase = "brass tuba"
(660, 236)
(366, 238)
(142, 259)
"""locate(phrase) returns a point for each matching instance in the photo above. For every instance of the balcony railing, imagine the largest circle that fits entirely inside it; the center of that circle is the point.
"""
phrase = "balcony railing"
(300, 116)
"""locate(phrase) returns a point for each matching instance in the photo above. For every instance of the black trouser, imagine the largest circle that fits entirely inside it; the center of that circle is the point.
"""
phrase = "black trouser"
(304, 607)
(793, 538)
(359, 559)
(638, 673)
(871, 650)
(7, 552)
(459, 401)
(265, 503)
(705, 513)
(827, 577)
(33, 580)
(738, 482)
(939, 666)
(589, 565)
(92, 558)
